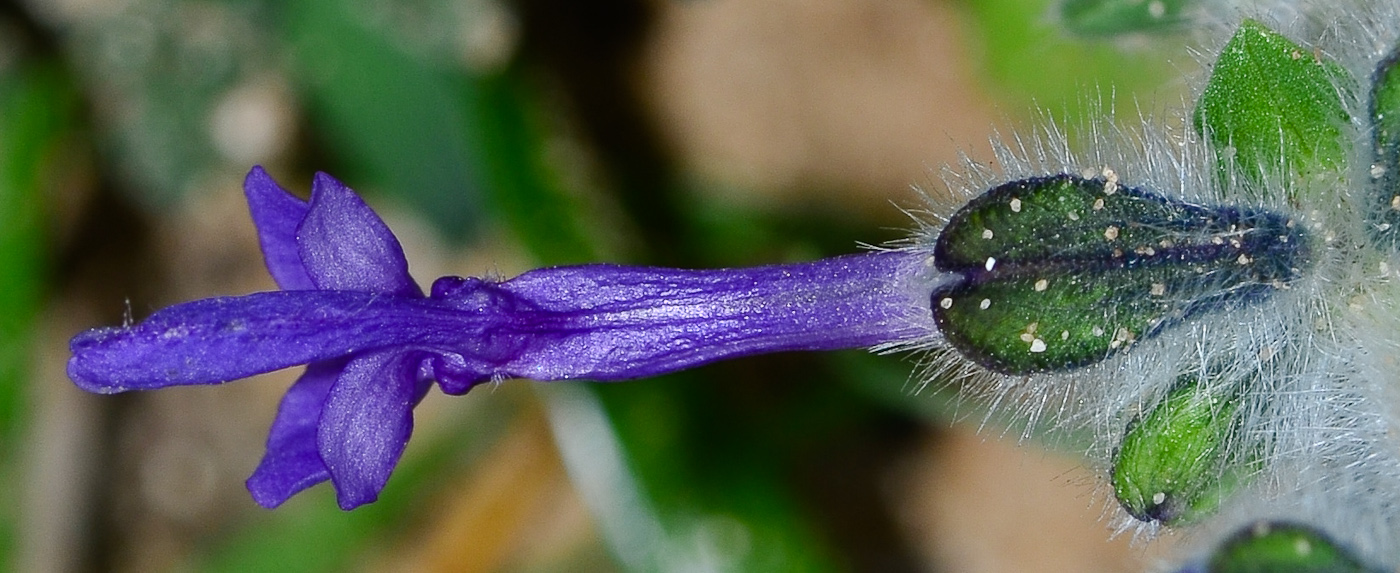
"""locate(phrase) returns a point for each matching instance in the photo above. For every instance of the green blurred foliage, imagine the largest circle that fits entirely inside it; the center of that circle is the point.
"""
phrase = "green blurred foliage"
(1030, 62)
(505, 123)
(1111, 18)
(152, 73)
(392, 120)
(37, 114)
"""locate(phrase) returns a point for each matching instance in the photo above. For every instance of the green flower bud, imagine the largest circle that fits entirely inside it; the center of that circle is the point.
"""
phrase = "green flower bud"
(1271, 103)
(1062, 272)
(1271, 547)
(1175, 464)
(1384, 212)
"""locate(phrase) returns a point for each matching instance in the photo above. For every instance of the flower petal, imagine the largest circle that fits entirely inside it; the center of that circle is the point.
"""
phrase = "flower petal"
(366, 423)
(293, 462)
(221, 339)
(277, 214)
(345, 246)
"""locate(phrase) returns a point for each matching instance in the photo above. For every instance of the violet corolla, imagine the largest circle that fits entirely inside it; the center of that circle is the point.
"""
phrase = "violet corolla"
(374, 344)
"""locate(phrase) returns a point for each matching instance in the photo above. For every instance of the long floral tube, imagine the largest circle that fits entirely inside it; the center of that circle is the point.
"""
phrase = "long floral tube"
(374, 344)
(597, 322)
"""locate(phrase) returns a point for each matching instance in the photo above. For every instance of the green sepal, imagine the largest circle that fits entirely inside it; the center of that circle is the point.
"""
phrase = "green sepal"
(1175, 464)
(1273, 547)
(1273, 110)
(1062, 272)
(1384, 208)
(1106, 18)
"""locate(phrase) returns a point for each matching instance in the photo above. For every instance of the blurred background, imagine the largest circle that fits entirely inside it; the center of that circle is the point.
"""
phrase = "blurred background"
(496, 136)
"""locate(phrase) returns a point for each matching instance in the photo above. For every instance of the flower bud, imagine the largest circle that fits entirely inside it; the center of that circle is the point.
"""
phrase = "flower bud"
(1064, 271)
(1176, 463)
(1384, 208)
(1283, 548)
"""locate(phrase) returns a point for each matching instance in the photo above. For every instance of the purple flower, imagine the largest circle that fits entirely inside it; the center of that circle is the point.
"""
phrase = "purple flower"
(374, 344)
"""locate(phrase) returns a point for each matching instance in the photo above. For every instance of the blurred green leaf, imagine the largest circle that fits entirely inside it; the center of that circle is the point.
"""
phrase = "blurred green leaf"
(392, 120)
(37, 109)
(700, 463)
(1109, 18)
(157, 71)
(510, 150)
(1031, 64)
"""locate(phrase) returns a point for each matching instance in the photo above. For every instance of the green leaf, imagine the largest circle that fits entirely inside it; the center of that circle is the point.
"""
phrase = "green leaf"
(38, 105)
(1062, 272)
(1273, 109)
(1094, 18)
(394, 120)
(700, 459)
(1175, 464)
(523, 188)
(1030, 63)
(1267, 547)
